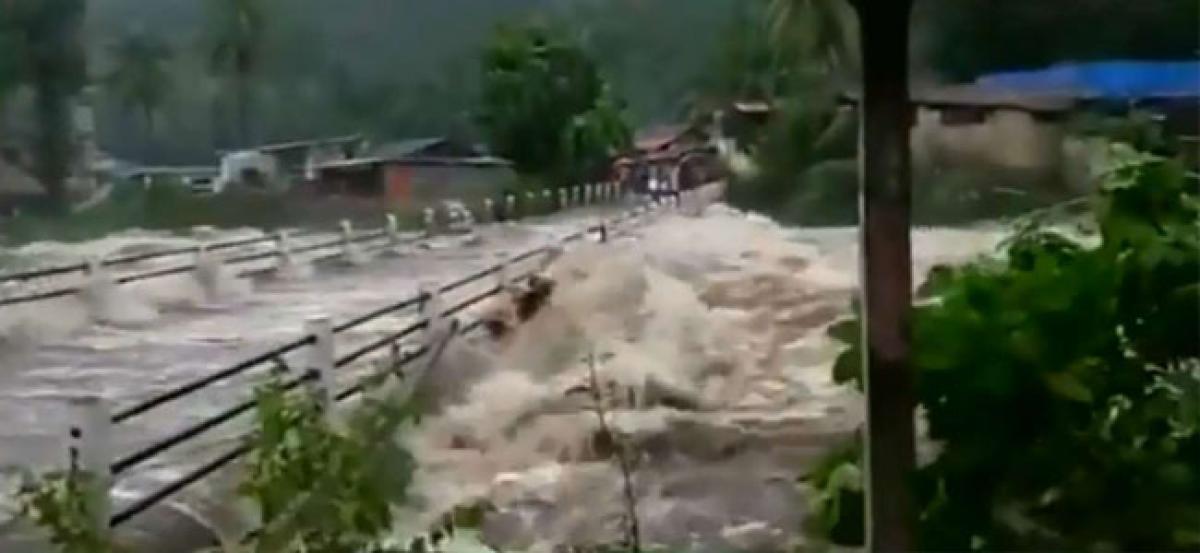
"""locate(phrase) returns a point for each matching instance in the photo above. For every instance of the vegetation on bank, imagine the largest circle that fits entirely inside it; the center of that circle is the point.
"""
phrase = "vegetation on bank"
(1060, 382)
(545, 106)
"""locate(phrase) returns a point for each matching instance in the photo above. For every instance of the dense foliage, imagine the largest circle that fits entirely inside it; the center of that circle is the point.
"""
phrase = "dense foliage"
(140, 77)
(1061, 383)
(60, 504)
(962, 37)
(47, 55)
(545, 106)
(321, 488)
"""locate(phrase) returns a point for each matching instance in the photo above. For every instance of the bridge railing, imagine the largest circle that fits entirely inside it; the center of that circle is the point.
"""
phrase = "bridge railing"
(510, 207)
(93, 423)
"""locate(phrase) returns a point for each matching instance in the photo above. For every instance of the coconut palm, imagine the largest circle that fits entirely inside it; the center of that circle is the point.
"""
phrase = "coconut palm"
(140, 76)
(56, 65)
(236, 30)
(821, 31)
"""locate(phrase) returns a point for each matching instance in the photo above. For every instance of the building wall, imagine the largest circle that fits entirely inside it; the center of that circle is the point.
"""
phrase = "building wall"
(417, 186)
(1008, 139)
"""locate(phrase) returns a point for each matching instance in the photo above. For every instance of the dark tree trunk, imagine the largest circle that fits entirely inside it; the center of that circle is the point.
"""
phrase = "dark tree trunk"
(53, 143)
(886, 272)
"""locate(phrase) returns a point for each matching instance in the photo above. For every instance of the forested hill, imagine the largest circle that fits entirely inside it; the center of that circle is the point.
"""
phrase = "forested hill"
(395, 67)
(409, 67)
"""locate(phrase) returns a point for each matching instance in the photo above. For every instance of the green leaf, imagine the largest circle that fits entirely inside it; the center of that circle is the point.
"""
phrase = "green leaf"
(1068, 386)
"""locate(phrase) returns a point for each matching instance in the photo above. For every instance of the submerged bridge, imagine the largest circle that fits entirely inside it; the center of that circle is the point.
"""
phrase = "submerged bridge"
(142, 463)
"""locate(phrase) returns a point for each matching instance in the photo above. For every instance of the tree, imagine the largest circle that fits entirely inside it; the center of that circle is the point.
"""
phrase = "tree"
(545, 106)
(57, 71)
(819, 37)
(140, 77)
(964, 34)
(12, 54)
(237, 30)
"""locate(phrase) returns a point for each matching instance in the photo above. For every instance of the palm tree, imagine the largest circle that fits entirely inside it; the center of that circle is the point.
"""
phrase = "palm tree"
(140, 76)
(12, 58)
(57, 70)
(820, 31)
(236, 31)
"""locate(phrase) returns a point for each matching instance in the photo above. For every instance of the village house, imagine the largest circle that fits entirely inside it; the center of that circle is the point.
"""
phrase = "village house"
(411, 174)
(285, 163)
(668, 159)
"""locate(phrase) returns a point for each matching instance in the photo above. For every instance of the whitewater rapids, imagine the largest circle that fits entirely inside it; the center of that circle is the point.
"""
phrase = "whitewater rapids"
(716, 371)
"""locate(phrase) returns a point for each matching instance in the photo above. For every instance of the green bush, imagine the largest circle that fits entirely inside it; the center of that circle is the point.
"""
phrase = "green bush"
(324, 489)
(1062, 382)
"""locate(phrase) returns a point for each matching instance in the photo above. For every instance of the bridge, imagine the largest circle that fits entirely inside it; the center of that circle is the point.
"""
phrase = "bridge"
(156, 417)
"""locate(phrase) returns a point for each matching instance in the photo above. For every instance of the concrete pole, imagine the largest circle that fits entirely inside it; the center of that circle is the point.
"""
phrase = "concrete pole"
(564, 201)
(885, 120)
(347, 237)
(91, 454)
(432, 308)
(321, 357)
(430, 219)
(510, 207)
(283, 250)
(392, 229)
(489, 210)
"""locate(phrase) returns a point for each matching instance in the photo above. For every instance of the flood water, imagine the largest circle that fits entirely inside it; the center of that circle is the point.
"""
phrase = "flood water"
(722, 313)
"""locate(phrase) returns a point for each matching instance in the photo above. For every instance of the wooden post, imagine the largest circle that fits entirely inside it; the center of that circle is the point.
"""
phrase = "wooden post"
(91, 453)
(886, 272)
(321, 357)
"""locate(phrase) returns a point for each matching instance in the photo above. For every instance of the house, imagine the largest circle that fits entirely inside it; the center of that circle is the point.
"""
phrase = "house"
(411, 174)
(1010, 126)
(196, 179)
(17, 187)
(671, 157)
(290, 162)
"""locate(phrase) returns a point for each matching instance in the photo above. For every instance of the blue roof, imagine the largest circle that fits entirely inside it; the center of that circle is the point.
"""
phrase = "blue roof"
(1109, 80)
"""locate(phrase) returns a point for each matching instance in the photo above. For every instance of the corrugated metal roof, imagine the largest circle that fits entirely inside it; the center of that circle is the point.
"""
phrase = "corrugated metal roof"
(363, 162)
(404, 148)
(1105, 80)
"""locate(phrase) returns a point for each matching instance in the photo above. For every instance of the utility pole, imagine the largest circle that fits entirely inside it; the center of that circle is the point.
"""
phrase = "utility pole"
(886, 271)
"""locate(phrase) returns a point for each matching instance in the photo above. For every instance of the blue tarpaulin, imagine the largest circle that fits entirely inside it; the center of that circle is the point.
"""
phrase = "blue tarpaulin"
(1109, 80)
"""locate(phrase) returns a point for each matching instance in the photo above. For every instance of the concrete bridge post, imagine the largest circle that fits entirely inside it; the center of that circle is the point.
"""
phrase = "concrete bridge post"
(392, 229)
(432, 309)
(430, 220)
(319, 365)
(91, 454)
(283, 250)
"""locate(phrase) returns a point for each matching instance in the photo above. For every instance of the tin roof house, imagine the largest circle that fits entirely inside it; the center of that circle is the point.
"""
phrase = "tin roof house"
(410, 174)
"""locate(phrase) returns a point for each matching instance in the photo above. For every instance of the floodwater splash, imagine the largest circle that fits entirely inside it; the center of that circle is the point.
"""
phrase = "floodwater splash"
(709, 330)
(109, 303)
(218, 284)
